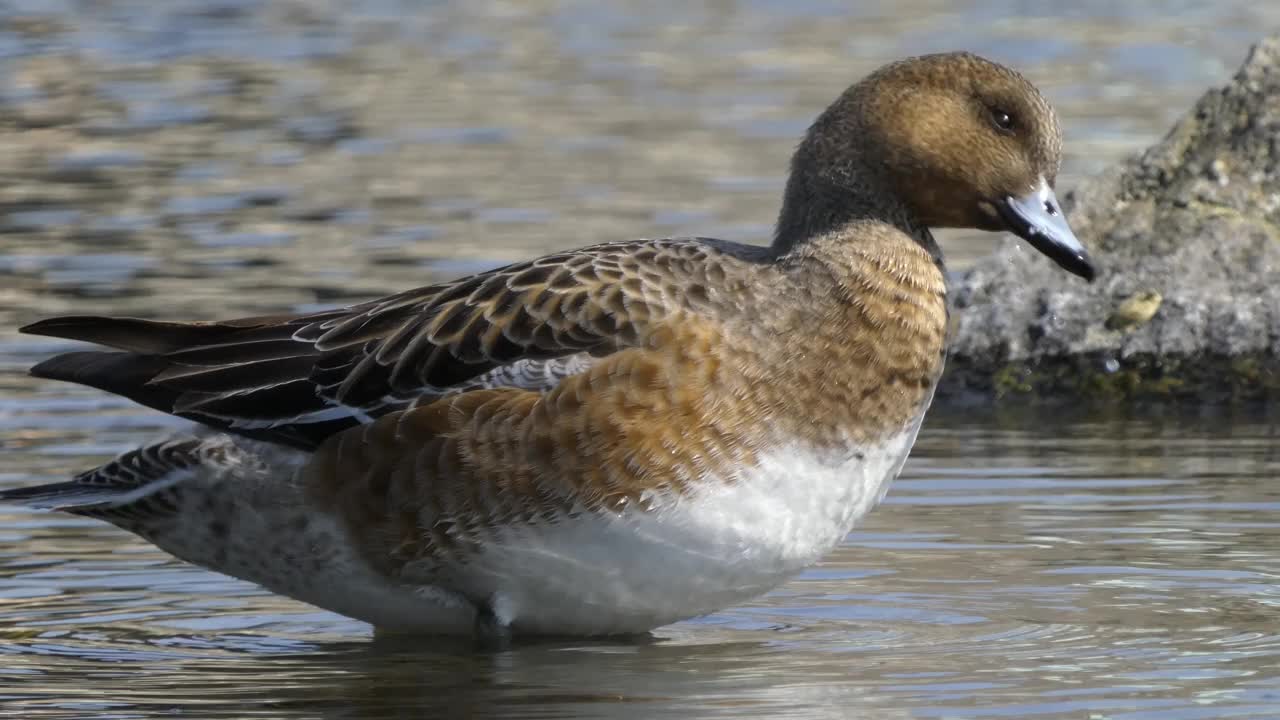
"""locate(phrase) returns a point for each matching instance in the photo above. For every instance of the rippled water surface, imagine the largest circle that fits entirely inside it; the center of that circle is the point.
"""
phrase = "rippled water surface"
(1120, 569)
(196, 159)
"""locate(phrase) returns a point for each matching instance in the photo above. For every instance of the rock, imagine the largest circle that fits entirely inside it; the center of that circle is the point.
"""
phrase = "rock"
(1194, 220)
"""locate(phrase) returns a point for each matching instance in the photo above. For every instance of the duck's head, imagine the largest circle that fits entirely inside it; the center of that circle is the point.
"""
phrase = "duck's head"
(958, 140)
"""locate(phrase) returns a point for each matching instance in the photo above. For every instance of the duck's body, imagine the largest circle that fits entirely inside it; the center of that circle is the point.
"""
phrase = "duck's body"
(580, 570)
(602, 441)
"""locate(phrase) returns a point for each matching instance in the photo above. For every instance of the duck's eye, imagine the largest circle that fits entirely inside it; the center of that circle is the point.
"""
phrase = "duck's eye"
(1003, 120)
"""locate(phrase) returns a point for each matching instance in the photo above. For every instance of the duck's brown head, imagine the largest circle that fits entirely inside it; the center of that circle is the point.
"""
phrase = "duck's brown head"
(956, 140)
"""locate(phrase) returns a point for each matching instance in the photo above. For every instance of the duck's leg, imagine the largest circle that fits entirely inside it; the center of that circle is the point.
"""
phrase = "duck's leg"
(493, 631)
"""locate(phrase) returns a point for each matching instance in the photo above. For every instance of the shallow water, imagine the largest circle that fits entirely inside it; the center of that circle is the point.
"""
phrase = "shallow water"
(1022, 567)
(1118, 569)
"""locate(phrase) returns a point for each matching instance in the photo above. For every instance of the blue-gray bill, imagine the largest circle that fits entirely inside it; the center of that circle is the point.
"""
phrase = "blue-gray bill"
(1037, 218)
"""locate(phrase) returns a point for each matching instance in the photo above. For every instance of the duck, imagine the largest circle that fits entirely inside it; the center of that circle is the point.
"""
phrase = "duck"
(600, 441)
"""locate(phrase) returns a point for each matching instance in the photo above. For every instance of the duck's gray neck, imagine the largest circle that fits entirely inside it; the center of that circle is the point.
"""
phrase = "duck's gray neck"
(831, 187)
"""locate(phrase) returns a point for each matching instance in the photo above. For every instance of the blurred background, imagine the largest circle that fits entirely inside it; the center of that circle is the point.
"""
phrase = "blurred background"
(201, 158)
(313, 151)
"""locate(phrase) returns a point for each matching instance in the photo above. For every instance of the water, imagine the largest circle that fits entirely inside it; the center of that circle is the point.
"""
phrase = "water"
(204, 159)
(1119, 569)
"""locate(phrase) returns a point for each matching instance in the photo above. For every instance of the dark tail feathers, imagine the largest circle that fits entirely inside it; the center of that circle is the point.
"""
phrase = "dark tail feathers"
(122, 488)
(153, 367)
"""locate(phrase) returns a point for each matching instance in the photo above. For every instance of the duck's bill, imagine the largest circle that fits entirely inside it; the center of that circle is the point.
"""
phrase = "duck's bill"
(1037, 218)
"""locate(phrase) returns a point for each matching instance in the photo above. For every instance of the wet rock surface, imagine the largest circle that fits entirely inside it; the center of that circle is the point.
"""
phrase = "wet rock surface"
(1186, 307)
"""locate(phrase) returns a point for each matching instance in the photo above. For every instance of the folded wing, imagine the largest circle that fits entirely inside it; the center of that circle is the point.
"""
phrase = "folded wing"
(297, 379)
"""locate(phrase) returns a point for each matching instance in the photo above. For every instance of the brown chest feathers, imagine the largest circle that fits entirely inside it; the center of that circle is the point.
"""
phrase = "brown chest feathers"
(859, 346)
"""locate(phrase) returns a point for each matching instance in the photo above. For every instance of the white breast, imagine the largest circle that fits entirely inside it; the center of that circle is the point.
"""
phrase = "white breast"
(731, 540)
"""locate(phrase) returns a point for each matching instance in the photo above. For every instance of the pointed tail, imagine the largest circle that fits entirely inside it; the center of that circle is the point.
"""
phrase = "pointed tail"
(133, 485)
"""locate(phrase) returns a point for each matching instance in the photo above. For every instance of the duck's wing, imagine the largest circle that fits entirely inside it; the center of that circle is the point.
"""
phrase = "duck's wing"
(299, 378)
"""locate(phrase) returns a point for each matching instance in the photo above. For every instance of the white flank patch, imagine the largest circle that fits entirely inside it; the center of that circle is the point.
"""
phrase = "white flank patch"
(606, 573)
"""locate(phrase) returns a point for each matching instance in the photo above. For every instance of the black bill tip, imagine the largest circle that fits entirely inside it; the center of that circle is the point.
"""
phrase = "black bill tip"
(1037, 218)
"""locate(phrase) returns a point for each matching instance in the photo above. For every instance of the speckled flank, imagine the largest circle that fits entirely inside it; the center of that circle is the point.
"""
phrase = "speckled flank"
(234, 507)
